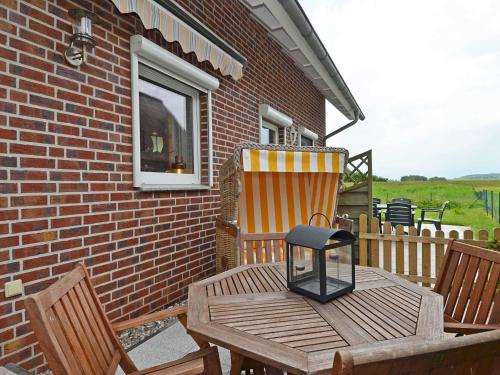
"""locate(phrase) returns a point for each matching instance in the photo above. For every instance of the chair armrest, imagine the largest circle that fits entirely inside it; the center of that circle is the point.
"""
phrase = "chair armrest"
(148, 318)
(469, 328)
(430, 209)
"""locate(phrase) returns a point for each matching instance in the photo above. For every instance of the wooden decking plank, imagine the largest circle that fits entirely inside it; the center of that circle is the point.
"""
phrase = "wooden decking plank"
(237, 284)
(279, 276)
(250, 315)
(283, 323)
(382, 312)
(297, 331)
(389, 294)
(264, 278)
(388, 308)
(305, 336)
(373, 317)
(257, 281)
(256, 322)
(244, 283)
(218, 288)
(325, 346)
(357, 320)
(313, 341)
(319, 324)
(274, 278)
(231, 285)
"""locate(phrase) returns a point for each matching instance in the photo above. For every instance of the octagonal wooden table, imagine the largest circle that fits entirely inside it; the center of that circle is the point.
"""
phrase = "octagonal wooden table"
(249, 311)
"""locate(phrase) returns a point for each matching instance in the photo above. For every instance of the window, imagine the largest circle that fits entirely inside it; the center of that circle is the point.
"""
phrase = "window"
(172, 144)
(307, 137)
(269, 134)
(169, 111)
(273, 125)
(304, 141)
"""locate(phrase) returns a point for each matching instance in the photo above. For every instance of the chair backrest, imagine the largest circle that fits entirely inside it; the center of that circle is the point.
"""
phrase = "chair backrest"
(468, 281)
(477, 354)
(376, 200)
(403, 200)
(444, 206)
(375, 210)
(73, 330)
(399, 213)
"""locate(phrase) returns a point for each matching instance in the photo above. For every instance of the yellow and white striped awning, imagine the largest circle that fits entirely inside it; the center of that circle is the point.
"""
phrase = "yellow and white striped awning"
(292, 161)
(154, 16)
(273, 201)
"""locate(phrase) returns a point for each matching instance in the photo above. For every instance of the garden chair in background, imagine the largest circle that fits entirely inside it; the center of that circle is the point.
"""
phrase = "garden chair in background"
(472, 355)
(403, 200)
(399, 213)
(437, 222)
(78, 339)
(377, 212)
(468, 281)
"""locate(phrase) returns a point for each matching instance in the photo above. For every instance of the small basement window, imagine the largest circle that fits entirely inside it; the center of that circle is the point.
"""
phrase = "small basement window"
(172, 139)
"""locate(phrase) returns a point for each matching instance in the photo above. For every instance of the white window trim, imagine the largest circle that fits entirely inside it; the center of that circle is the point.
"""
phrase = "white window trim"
(306, 133)
(148, 53)
(275, 117)
(271, 126)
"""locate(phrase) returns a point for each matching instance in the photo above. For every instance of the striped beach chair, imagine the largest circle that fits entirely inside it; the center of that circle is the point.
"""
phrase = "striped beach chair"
(268, 189)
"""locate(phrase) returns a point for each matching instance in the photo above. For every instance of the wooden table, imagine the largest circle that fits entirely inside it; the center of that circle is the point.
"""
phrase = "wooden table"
(249, 311)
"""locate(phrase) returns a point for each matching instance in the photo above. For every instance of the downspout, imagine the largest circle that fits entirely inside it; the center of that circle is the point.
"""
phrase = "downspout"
(341, 129)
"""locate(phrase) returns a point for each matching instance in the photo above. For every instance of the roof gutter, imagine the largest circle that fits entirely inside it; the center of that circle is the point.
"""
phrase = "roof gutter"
(298, 16)
(341, 129)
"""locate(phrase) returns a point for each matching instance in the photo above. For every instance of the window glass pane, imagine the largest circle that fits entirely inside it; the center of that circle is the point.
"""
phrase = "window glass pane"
(304, 141)
(166, 119)
(268, 136)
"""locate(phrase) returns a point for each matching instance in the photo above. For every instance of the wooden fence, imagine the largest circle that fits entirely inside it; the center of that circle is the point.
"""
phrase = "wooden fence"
(416, 258)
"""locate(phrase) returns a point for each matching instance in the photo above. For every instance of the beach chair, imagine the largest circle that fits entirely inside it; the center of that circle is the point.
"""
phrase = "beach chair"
(268, 189)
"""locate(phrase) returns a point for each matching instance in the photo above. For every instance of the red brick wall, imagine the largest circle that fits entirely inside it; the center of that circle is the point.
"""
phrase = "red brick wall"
(66, 152)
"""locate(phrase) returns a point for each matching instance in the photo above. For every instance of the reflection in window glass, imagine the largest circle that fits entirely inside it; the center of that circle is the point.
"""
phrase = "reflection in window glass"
(269, 134)
(166, 122)
(304, 141)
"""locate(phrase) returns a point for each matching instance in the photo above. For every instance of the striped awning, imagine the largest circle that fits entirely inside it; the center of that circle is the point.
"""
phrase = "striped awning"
(154, 16)
(292, 161)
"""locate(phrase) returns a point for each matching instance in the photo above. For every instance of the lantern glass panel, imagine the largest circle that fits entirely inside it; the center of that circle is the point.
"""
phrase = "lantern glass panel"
(306, 269)
(338, 268)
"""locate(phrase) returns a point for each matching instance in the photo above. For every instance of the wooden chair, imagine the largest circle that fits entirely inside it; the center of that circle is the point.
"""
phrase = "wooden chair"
(468, 355)
(468, 280)
(77, 338)
(437, 222)
(399, 213)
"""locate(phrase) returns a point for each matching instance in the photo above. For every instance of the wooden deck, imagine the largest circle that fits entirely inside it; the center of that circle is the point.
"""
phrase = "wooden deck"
(250, 311)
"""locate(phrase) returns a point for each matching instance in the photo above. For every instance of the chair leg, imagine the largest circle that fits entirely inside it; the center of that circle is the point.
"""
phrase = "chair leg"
(236, 363)
(438, 226)
(419, 227)
(211, 363)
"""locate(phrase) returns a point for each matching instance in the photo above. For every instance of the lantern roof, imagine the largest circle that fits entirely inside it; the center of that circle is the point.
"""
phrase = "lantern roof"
(315, 237)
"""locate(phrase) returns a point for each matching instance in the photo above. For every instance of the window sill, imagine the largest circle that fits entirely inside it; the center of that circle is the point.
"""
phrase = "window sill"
(173, 187)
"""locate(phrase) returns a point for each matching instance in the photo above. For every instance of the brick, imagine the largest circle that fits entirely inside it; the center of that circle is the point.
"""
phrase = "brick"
(29, 226)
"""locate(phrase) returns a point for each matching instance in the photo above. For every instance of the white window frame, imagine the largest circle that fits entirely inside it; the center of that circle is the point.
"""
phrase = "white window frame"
(306, 133)
(273, 119)
(268, 125)
(174, 68)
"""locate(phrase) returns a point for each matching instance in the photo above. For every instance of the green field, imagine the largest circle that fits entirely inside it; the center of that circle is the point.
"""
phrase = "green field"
(465, 209)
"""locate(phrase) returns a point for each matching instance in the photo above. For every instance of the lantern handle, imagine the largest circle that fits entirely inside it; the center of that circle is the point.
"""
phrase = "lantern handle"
(319, 213)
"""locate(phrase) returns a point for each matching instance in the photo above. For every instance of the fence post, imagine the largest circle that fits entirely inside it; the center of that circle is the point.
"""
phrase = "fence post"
(486, 201)
(492, 206)
(498, 207)
(363, 243)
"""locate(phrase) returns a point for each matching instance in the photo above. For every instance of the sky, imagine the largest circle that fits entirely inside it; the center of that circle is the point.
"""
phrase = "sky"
(426, 74)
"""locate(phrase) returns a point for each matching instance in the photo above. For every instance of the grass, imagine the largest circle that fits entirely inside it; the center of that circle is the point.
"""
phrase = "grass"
(465, 208)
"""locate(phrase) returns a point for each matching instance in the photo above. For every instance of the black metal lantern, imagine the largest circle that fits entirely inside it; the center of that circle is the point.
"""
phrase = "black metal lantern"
(320, 262)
